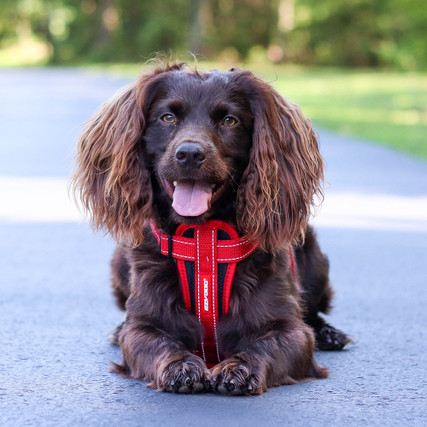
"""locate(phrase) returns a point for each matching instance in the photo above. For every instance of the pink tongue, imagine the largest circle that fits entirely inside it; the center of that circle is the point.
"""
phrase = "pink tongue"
(192, 198)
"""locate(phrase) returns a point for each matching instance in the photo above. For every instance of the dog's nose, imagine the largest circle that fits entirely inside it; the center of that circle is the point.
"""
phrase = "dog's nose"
(190, 155)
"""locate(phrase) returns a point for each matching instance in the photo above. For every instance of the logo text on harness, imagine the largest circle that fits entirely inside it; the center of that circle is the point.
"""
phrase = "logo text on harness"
(206, 294)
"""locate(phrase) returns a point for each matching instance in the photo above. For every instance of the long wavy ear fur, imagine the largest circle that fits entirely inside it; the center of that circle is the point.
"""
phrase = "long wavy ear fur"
(110, 177)
(284, 173)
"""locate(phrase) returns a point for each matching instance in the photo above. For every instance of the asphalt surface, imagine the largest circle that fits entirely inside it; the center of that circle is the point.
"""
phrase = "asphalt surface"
(56, 309)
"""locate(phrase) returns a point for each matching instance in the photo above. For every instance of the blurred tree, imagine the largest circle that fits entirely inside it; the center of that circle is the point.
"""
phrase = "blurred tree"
(240, 25)
(146, 27)
(9, 17)
(327, 32)
(360, 33)
(198, 20)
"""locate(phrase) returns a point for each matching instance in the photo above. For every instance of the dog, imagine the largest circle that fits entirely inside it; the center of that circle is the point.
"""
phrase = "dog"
(182, 158)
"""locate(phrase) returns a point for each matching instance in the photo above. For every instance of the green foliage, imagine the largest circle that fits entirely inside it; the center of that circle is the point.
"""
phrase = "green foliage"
(361, 33)
(239, 25)
(9, 17)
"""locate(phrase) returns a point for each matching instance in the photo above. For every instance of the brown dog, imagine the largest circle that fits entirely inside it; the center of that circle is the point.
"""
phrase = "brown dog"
(186, 150)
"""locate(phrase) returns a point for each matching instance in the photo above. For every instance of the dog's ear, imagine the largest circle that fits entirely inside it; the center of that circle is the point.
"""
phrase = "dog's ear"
(110, 176)
(284, 173)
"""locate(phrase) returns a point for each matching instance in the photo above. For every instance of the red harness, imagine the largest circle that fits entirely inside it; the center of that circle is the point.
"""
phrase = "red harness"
(206, 256)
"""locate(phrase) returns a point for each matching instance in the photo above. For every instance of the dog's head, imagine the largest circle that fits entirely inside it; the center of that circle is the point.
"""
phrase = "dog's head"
(186, 146)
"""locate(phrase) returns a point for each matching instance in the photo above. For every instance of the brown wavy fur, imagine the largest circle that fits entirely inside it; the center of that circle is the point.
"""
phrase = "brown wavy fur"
(284, 172)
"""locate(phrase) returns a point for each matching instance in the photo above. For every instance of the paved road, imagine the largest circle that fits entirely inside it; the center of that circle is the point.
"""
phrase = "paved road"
(56, 310)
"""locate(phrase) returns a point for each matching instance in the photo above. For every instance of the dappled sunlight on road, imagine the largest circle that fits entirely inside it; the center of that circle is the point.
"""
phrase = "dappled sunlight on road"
(373, 211)
(47, 200)
(36, 200)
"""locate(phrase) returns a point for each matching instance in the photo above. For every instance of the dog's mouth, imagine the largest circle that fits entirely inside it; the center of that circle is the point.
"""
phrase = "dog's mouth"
(192, 198)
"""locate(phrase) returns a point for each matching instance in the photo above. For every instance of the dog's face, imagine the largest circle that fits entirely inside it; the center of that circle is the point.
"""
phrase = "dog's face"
(197, 142)
(184, 146)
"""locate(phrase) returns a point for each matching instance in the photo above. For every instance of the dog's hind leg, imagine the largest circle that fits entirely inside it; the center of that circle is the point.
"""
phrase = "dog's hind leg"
(313, 272)
(120, 277)
(120, 282)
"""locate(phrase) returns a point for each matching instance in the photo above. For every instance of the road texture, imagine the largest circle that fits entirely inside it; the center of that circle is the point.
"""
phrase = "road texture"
(56, 309)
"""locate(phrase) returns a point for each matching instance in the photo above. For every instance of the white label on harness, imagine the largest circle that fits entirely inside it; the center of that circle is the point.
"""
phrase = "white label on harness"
(206, 294)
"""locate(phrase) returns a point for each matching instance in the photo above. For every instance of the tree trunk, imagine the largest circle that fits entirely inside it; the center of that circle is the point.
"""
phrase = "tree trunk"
(199, 19)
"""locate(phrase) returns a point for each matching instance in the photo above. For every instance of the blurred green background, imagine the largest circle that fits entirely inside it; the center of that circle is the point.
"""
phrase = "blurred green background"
(355, 66)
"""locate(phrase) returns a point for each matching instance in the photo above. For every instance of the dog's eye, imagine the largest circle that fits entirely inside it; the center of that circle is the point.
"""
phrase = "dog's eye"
(168, 118)
(229, 121)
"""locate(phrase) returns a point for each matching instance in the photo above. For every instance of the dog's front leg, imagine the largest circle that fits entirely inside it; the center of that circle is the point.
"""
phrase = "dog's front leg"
(151, 355)
(276, 358)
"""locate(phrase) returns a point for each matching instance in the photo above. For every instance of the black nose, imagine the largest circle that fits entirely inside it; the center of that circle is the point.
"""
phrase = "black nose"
(190, 155)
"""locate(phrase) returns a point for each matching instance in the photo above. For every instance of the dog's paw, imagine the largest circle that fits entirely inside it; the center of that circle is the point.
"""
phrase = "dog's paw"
(188, 375)
(329, 339)
(236, 378)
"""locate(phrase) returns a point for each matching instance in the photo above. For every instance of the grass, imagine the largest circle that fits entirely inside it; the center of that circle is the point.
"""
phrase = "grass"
(388, 108)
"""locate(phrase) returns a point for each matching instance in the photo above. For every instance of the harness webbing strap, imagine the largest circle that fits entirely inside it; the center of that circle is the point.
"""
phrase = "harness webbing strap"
(185, 248)
(292, 258)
